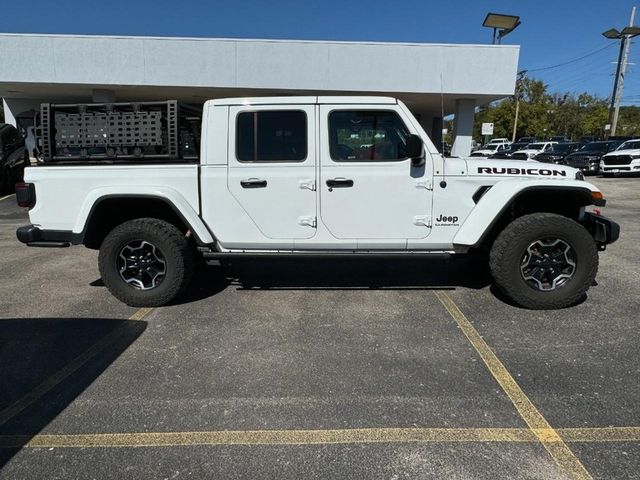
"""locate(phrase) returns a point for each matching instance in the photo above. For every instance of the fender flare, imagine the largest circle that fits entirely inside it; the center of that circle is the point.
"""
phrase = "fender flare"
(498, 199)
(171, 197)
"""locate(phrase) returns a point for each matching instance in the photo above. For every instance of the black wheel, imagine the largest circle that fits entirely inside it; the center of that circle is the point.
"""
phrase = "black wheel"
(146, 262)
(544, 261)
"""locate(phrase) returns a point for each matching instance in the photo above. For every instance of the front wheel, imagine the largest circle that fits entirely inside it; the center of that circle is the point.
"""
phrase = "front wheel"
(146, 262)
(544, 261)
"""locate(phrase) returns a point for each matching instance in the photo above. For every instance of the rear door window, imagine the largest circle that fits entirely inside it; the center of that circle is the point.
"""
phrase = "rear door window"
(271, 136)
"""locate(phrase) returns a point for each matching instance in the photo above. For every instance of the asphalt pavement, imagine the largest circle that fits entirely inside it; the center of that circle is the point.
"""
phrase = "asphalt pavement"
(304, 369)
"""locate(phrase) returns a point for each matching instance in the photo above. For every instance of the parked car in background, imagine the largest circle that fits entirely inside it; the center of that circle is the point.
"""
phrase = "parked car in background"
(558, 152)
(499, 140)
(527, 139)
(587, 159)
(489, 149)
(625, 159)
(13, 157)
(508, 152)
(589, 139)
(560, 138)
(531, 150)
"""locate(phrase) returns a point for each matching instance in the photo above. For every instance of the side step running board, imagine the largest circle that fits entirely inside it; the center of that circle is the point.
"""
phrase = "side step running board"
(327, 254)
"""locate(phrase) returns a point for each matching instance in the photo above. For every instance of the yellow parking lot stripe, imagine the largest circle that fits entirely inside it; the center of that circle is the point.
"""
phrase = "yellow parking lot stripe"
(58, 377)
(141, 313)
(274, 437)
(602, 434)
(549, 437)
(317, 437)
(6, 196)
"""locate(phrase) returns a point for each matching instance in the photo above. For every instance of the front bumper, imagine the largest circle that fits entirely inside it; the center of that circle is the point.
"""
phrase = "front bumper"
(36, 237)
(603, 230)
(591, 167)
(628, 168)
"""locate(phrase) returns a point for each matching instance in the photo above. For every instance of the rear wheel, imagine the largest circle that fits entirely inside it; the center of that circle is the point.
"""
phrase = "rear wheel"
(146, 262)
(544, 261)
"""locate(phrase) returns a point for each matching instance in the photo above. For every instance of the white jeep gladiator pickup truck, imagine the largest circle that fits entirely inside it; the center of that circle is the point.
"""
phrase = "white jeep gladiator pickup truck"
(306, 176)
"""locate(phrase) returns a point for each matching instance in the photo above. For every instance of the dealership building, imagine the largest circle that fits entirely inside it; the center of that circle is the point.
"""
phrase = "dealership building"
(431, 79)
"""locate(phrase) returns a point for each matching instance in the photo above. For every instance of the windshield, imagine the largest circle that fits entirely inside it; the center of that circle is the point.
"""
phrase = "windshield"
(562, 147)
(535, 146)
(596, 147)
(489, 146)
(518, 146)
(632, 145)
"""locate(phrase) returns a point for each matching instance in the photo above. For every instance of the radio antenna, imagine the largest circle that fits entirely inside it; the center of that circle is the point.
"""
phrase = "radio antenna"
(443, 183)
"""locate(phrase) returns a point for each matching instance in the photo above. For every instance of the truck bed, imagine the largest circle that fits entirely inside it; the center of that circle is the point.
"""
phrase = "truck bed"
(72, 190)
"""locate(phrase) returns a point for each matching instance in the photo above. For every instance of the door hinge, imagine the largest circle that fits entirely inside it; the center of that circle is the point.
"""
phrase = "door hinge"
(426, 184)
(422, 220)
(307, 185)
(307, 221)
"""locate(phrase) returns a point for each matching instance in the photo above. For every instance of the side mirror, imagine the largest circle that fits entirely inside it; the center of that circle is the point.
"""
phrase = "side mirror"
(415, 150)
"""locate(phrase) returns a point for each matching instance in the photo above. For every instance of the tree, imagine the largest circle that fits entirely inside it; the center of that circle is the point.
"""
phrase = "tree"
(543, 114)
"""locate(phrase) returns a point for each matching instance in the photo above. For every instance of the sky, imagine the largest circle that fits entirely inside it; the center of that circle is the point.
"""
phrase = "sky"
(551, 33)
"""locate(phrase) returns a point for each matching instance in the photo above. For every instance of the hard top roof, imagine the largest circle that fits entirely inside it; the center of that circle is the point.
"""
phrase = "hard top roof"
(300, 100)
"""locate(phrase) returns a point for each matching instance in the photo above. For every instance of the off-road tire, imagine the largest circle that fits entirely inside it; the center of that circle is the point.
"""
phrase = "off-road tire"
(508, 250)
(177, 252)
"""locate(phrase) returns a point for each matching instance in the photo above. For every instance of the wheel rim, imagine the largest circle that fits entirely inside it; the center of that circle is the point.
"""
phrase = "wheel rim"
(141, 265)
(548, 264)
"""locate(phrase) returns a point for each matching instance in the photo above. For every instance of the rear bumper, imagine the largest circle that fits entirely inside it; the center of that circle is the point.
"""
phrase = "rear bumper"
(603, 230)
(35, 237)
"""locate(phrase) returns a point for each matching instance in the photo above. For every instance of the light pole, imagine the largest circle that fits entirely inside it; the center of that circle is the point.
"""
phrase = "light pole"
(518, 93)
(502, 25)
(625, 37)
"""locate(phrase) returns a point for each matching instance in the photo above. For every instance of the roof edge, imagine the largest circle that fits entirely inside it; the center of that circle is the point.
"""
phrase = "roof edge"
(263, 40)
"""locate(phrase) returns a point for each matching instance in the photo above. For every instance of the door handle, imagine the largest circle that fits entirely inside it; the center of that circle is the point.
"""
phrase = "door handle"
(339, 183)
(253, 183)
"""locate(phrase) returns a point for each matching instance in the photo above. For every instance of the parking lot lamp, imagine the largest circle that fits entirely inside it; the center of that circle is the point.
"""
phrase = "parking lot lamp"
(624, 37)
(502, 25)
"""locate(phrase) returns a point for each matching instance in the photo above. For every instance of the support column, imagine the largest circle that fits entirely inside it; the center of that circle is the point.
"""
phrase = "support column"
(432, 125)
(463, 127)
(424, 119)
(99, 95)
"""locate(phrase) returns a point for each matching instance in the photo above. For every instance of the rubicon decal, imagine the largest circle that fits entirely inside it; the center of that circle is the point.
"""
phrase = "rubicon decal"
(545, 172)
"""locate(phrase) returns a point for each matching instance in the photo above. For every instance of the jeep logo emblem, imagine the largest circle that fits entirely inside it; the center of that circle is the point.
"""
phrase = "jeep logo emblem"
(445, 219)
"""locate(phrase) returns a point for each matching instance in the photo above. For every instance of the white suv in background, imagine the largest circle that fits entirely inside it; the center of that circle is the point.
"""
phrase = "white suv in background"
(624, 159)
(531, 150)
(499, 140)
(489, 149)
